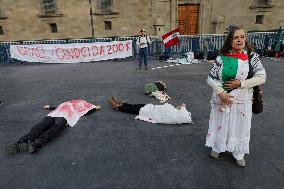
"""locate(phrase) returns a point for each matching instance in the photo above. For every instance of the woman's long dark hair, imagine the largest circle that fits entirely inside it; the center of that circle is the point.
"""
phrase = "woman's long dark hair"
(227, 47)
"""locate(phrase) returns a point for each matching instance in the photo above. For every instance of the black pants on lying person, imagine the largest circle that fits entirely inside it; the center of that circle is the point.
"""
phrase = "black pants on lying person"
(130, 108)
(41, 133)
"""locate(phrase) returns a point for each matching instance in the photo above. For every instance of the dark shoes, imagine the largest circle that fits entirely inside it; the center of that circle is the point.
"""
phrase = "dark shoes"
(16, 147)
(23, 146)
(34, 146)
(140, 68)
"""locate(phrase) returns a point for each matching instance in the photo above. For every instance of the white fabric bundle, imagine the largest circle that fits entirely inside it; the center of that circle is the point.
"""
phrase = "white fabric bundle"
(165, 114)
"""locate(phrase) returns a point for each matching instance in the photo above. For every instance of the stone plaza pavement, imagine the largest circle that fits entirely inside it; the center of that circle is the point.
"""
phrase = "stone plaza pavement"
(112, 150)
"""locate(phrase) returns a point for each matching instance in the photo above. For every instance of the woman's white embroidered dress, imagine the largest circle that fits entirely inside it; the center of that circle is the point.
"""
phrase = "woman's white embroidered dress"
(229, 130)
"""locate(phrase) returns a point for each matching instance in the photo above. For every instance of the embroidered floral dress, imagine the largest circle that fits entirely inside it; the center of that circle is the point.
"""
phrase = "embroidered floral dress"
(229, 127)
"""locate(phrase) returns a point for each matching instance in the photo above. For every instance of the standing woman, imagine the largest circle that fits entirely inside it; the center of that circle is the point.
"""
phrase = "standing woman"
(231, 102)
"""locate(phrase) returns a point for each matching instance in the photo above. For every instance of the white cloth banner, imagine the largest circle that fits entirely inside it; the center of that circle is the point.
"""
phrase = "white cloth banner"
(72, 53)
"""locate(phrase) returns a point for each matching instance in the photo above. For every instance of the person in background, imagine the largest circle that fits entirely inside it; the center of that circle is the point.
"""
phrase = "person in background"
(168, 52)
(66, 114)
(143, 43)
(232, 78)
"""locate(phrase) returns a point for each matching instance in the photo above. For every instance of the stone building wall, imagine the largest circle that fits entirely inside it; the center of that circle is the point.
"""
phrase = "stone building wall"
(25, 19)
(216, 15)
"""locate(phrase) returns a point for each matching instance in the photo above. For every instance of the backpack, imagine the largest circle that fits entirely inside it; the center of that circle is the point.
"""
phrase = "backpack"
(257, 101)
(146, 40)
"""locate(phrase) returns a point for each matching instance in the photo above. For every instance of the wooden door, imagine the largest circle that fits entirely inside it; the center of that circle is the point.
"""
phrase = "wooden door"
(188, 19)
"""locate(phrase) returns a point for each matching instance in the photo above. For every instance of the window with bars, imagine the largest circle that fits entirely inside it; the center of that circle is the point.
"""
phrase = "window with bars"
(53, 27)
(1, 30)
(2, 15)
(107, 25)
(259, 19)
(49, 6)
(262, 2)
(106, 6)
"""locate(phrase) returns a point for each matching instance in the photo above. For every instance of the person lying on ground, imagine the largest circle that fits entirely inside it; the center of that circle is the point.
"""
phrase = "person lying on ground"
(165, 114)
(66, 114)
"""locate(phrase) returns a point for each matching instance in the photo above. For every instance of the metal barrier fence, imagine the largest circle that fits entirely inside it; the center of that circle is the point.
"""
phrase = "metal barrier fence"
(198, 43)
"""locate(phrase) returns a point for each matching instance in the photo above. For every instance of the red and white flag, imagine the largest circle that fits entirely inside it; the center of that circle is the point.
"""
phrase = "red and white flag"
(171, 38)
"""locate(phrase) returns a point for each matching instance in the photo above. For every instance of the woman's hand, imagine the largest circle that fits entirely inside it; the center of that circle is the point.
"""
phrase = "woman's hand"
(226, 98)
(232, 84)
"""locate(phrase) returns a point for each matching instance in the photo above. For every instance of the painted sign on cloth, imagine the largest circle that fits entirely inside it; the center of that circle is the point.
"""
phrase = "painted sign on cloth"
(72, 53)
(72, 110)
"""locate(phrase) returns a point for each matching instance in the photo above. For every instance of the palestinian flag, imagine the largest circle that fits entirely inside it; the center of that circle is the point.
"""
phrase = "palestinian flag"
(234, 66)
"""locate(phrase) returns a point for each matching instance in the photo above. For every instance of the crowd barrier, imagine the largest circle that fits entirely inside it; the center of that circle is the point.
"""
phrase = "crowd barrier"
(198, 43)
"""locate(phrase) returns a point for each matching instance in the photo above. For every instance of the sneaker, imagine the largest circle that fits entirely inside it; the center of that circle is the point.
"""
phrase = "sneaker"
(11, 149)
(16, 147)
(146, 68)
(33, 146)
(1, 102)
(214, 155)
(22, 147)
(241, 163)
(138, 68)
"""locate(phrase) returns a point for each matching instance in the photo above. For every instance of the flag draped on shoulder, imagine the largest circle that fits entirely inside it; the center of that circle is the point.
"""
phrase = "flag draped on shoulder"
(171, 38)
